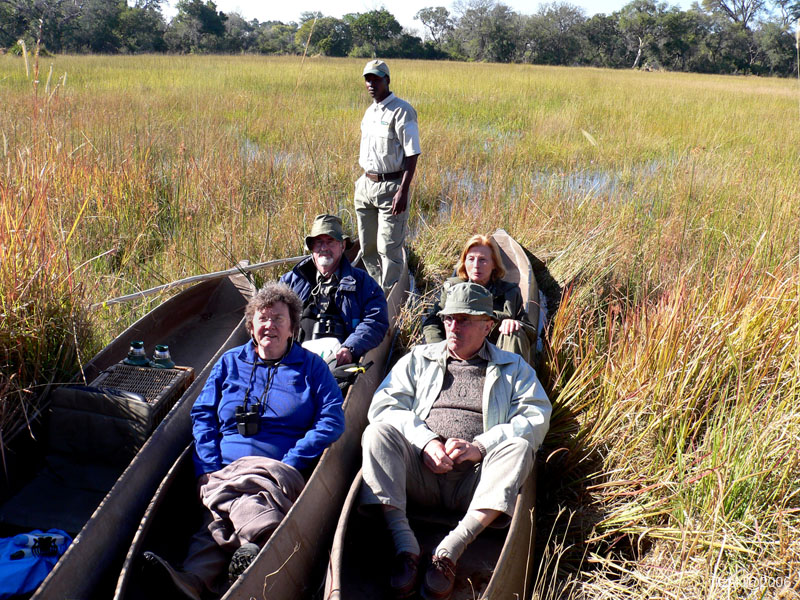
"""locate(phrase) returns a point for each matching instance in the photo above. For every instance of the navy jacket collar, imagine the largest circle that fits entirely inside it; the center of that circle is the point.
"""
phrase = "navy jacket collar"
(347, 281)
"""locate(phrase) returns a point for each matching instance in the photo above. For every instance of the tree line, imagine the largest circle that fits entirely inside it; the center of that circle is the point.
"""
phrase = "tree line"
(715, 36)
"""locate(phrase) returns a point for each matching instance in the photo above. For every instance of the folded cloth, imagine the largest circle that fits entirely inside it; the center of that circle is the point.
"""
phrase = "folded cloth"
(248, 499)
(326, 348)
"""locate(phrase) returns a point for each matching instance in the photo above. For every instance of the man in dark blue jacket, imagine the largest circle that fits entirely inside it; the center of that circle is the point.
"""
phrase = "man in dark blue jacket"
(339, 300)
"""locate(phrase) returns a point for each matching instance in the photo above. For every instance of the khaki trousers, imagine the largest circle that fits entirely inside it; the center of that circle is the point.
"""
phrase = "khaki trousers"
(394, 474)
(381, 233)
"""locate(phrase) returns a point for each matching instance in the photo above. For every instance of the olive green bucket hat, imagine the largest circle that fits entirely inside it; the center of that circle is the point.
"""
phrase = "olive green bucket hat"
(468, 299)
(326, 225)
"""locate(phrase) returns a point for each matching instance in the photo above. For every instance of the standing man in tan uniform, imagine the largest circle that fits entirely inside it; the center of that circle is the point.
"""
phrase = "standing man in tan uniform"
(388, 155)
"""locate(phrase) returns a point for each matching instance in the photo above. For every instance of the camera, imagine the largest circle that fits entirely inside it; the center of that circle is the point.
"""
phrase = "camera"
(247, 421)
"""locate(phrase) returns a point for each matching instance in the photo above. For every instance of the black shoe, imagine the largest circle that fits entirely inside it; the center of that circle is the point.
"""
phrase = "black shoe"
(241, 559)
(403, 579)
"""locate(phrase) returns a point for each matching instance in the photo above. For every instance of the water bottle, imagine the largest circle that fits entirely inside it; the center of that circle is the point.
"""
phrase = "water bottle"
(161, 358)
(136, 355)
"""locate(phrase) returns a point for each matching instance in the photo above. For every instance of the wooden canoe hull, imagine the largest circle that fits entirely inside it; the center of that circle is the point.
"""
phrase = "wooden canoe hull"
(200, 318)
(520, 271)
(512, 574)
(284, 568)
(171, 517)
(177, 493)
(498, 565)
(207, 318)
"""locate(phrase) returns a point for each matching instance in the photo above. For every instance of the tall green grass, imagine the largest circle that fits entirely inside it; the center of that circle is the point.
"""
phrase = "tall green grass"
(42, 305)
(671, 466)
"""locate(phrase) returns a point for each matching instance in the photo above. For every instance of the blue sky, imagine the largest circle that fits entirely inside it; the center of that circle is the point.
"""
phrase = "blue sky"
(403, 11)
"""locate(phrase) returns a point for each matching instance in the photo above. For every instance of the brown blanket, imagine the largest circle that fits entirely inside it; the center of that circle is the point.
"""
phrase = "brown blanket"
(248, 499)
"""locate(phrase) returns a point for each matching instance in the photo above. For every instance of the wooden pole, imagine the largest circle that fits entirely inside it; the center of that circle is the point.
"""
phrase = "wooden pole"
(241, 268)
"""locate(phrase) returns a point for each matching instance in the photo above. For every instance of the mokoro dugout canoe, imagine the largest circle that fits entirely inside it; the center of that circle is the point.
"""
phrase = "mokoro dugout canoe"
(198, 324)
(291, 563)
(496, 566)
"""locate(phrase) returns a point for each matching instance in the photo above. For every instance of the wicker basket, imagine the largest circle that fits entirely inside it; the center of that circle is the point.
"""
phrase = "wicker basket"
(161, 388)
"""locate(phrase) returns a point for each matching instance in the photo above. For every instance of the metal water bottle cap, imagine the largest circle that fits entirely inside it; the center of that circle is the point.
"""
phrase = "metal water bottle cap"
(136, 355)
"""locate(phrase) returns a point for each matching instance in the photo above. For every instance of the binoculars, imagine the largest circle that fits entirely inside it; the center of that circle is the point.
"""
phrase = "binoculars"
(327, 326)
(247, 421)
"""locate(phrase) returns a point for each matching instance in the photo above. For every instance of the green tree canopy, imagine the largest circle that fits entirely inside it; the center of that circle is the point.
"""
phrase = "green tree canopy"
(374, 30)
(437, 21)
(488, 30)
(140, 28)
(739, 11)
(554, 35)
(325, 35)
(198, 26)
(277, 38)
(715, 36)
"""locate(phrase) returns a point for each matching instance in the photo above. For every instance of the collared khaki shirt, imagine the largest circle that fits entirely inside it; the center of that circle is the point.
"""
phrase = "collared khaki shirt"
(389, 133)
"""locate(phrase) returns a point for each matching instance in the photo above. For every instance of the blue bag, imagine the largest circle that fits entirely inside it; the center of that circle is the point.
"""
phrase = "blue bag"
(26, 559)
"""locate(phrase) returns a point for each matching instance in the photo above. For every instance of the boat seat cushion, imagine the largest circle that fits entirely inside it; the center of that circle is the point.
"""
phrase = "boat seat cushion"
(96, 425)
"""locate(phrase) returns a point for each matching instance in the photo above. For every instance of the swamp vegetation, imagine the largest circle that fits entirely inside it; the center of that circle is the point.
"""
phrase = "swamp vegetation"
(666, 205)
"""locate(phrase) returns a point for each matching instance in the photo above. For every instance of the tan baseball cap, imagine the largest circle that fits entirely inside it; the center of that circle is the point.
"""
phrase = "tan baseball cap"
(376, 67)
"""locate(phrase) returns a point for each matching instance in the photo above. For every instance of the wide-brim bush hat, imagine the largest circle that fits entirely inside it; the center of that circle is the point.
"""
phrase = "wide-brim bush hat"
(326, 225)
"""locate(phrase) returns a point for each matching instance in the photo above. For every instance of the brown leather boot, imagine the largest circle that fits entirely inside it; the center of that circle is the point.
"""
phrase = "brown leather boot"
(241, 559)
(440, 579)
(403, 578)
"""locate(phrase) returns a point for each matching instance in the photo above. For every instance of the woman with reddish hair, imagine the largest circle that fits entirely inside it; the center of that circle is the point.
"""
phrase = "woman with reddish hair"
(480, 262)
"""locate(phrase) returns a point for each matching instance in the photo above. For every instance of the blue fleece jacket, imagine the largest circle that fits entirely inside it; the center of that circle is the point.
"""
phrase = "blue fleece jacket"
(359, 297)
(301, 412)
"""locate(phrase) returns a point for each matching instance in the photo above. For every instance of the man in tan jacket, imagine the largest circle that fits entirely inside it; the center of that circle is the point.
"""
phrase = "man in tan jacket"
(455, 424)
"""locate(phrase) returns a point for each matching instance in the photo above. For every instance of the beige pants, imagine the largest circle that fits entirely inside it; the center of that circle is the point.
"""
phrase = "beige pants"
(381, 233)
(394, 474)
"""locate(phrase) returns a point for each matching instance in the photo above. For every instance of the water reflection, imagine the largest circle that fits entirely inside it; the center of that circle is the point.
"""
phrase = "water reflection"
(252, 152)
(607, 184)
(497, 139)
(462, 183)
(596, 182)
